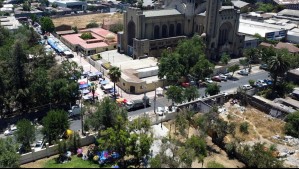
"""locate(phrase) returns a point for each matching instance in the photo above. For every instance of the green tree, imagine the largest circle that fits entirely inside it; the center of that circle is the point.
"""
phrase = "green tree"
(115, 75)
(92, 24)
(292, 124)
(166, 68)
(233, 69)
(105, 114)
(186, 157)
(8, 156)
(212, 89)
(55, 124)
(258, 156)
(156, 162)
(278, 66)
(47, 24)
(225, 59)
(25, 134)
(191, 93)
(202, 69)
(176, 94)
(33, 18)
(26, 6)
(198, 144)
(116, 28)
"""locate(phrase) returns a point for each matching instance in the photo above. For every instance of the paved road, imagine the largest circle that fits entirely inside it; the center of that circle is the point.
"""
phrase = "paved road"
(228, 86)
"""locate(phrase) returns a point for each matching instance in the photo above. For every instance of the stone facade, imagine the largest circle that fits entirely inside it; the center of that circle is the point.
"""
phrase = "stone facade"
(148, 32)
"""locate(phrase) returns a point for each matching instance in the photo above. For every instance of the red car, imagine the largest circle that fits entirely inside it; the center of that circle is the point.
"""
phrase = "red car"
(216, 78)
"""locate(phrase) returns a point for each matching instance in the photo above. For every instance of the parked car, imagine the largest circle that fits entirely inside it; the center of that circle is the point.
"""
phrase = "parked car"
(10, 131)
(223, 77)
(261, 82)
(243, 72)
(216, 78)
(268, 81)
(246, 87)
(209, 80)
(264, 66)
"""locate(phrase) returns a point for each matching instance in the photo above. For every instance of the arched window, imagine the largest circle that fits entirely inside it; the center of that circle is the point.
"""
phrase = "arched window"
(178, 29)
(164, 31)
(156, 32)
(131, 32)
(171, 30)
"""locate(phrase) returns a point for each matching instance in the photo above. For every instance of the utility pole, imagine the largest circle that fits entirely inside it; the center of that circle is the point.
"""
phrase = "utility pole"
(155, 98)
(82, 126)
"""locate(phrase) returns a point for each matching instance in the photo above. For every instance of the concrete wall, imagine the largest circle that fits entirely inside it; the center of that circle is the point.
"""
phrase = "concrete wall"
(51, 150)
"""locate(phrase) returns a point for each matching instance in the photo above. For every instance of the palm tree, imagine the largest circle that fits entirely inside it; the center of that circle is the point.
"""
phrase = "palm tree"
(115, 74)
(278, 67)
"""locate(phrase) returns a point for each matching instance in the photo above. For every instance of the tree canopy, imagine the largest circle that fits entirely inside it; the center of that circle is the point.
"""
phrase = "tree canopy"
(8, 156)
(47, 24)
(55, 124)
(292, 124)
(187, 58)
(25, 134)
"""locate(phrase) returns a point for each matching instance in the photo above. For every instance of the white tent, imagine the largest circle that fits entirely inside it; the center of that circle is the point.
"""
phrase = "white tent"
(159, 91)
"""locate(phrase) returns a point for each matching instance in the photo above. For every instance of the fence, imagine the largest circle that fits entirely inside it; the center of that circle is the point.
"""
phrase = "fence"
(51, 150)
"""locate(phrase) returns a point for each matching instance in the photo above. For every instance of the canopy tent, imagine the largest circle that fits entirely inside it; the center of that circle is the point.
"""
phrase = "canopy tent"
(121, 100)
(104, 82)
(82, 82)
(95, 94)
(159, 91)
(113, 90)
(85, 91)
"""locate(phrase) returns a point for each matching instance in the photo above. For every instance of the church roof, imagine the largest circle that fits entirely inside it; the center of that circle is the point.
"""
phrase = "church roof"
(163, 12)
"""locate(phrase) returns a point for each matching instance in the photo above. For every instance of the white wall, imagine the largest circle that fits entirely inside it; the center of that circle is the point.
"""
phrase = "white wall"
(51, 150)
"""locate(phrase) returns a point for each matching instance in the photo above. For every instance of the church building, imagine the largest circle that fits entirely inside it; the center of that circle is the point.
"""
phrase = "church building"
(148, 32)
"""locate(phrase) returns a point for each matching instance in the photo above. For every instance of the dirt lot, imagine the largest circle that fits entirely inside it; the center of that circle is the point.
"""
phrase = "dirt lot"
(218, 155)
(82, 20)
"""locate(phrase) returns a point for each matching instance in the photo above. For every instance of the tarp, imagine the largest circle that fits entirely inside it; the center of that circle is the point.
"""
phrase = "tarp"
(85, 91)
(82, 86)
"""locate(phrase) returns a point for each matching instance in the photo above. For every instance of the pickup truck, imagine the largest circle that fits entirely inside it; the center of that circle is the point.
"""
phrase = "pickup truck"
(74, 111)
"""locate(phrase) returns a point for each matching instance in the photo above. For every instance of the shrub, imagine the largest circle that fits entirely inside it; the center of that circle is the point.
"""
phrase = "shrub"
(244, 127)
(92, 25)
(251, 82)
(86, 35)
(214, 164)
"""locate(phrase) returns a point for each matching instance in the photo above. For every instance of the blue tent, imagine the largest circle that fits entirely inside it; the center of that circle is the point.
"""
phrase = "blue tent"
(104, 82)
(52, 43)
(82, 86)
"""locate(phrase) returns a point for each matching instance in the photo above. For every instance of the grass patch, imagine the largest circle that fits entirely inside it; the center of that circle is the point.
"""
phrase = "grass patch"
(214, 164)
(107, 65)
(96, 57)
(76, 162)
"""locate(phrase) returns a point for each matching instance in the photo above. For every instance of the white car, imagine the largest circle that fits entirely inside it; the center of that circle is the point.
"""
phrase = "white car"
(262, 82)
(246, 87)
(209, 80)
(223, 77)
(39, 145)
(10, 131)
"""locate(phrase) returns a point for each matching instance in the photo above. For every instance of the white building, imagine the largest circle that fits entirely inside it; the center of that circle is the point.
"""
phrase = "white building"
(7, 8)
(72, 4)
(10, 22)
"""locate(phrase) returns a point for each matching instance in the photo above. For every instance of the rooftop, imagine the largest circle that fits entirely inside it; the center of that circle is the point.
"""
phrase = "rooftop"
(163, 12)
(289, 46)
(286, 2)
(98, 40)
(239, 4)
(289, 12)
(247, 38)
(10, 22)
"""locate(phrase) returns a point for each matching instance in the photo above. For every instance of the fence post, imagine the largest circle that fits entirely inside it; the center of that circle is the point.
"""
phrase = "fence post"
(47, 149)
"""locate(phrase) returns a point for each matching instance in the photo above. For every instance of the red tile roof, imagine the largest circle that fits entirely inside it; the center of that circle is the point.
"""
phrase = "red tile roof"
(99, 35)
